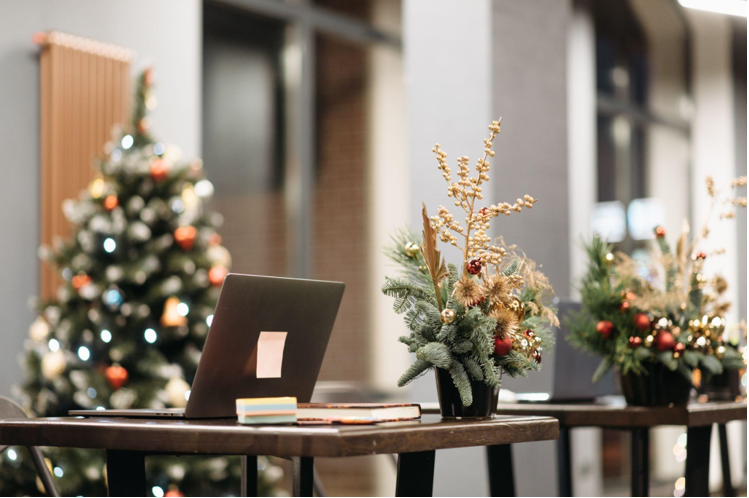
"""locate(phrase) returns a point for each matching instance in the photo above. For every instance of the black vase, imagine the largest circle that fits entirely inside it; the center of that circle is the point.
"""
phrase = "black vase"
(659, 387)
(484, 398)
(724, 387)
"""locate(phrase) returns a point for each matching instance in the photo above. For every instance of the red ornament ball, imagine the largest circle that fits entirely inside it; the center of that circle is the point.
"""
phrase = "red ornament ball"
(185, 237)
(116, 376)
(111, 202)
(624, 307)
(80, 280)
(473, 267)
(642, 322)
(159, 170)
(537, 356)
(679, 347)
(502, 346)
(216, 275)
(629, 295)
(605, 328)
(660, 232)
(664, 341)
(635, 342)
(699, 256)
(174, 493)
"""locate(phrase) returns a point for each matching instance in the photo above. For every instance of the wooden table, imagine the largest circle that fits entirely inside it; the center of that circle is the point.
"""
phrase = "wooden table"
(697, 417)
(128, 441)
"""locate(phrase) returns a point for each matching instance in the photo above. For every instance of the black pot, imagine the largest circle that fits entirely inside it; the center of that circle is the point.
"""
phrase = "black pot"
(659, 387)
(484, 398)
(725, 386)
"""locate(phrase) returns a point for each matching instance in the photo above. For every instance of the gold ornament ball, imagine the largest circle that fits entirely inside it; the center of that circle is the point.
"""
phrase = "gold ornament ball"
(518, 307)
(648, 341)
(411, 249)
(175, 391)
(39, 330)
(53, 364)
(720, 351)
(447, 316)
(609, 258)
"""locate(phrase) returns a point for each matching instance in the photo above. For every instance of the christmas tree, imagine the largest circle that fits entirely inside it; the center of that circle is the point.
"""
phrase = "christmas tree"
(141, 275)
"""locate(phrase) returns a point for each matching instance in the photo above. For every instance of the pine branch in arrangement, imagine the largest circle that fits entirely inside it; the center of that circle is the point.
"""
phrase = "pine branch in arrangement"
(417, 368)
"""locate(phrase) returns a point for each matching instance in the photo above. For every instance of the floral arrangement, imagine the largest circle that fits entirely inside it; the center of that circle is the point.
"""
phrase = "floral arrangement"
(665, 312)
(490, 316)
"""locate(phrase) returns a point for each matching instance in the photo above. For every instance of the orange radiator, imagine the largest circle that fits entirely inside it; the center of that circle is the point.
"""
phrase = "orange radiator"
(85, 91)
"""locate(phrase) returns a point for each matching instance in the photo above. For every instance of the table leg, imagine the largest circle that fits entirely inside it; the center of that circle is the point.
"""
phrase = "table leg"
(698, 461)
(126, 473)
(304, 479)
(725, 461)
(640, 461)
(249, 476)
(415, 474)
(501, 475)
(564, 462)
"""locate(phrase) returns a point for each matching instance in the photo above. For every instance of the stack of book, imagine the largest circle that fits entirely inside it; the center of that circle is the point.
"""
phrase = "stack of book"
(266, 410)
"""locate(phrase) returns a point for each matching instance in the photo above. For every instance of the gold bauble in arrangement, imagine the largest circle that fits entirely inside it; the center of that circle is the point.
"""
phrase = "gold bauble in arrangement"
(447, 316)
(411, 249)
(518, 307)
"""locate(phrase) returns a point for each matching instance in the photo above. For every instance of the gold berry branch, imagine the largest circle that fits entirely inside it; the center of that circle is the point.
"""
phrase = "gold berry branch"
(466, 191)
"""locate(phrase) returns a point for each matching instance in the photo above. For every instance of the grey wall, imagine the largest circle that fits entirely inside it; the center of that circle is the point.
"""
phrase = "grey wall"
(530, 93)
(468, 63)
(447, 56)
(166, 33)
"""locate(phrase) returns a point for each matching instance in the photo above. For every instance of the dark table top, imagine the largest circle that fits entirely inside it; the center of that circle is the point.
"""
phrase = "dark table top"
(227, 437)
(616, 413)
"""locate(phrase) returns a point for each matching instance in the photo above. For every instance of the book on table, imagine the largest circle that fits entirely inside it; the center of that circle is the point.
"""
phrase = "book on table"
(357, 412)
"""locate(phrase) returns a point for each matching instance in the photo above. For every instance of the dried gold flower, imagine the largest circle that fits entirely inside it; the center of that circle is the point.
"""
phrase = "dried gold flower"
(498, 288)
(710, 185)
(468, 291)
(507, 321)
(719, 284)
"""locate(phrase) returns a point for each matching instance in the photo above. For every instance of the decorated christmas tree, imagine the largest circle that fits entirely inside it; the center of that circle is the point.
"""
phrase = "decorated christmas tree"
(141, 275)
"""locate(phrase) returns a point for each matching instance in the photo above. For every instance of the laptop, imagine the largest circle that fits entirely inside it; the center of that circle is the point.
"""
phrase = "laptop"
(572, 369)
(268, 338)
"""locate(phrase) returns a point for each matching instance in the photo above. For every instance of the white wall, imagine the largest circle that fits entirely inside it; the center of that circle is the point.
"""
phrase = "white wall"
(166, 33)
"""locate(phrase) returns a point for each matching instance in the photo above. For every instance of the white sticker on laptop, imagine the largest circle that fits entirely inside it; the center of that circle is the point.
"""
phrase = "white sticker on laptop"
(270, 346)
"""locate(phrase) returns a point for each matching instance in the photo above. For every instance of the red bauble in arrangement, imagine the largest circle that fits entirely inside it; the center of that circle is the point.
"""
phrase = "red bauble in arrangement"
(537, 356)
(116, 376)
(216, 275)
(635, 342)
(660, 232)
(699, 256)
(624, 307)
(605, 328)
(174, 493)
(473, 267)
(185, 237)
(502, 346)
(664, 341)
(642, 322)
(679, 347)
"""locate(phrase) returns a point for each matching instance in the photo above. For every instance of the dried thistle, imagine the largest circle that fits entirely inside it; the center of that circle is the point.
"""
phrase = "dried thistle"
(499, 288)
(467, 291)
(507, 321)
